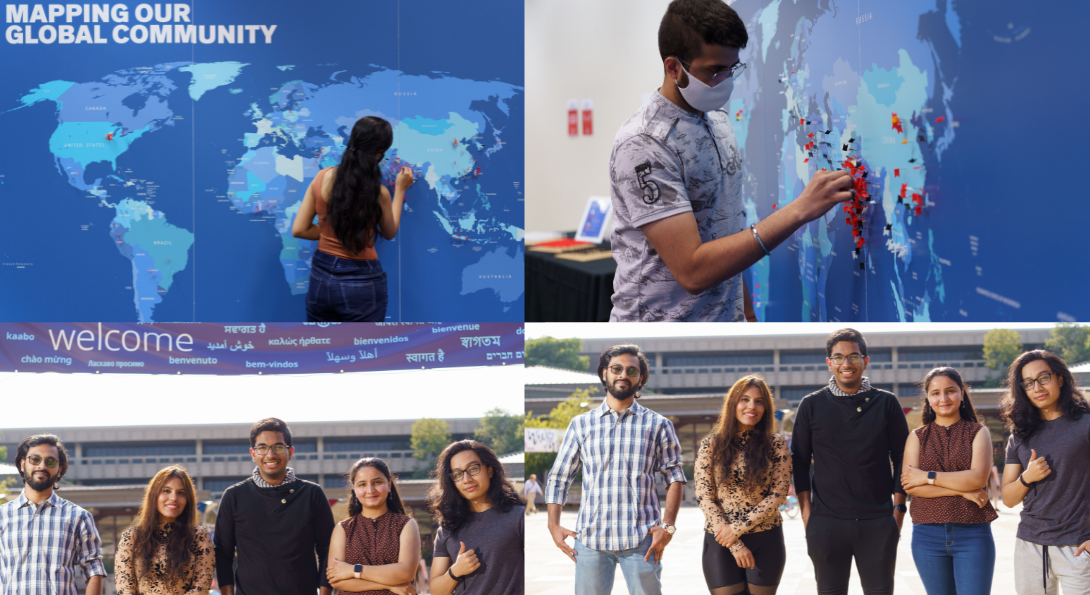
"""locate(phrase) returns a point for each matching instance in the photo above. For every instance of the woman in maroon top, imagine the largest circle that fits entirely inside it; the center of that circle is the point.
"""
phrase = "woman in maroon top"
(947, 463)
(376, 549)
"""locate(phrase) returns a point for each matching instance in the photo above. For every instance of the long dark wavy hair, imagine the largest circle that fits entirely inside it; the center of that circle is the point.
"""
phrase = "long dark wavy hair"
(725, 445)
(1020, 415)
(966, 410)
(393, 499)
(354, 209)
(179, 541)
(447, 503)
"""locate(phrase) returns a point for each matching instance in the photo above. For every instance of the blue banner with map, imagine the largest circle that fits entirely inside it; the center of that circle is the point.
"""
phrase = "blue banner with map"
(157, 154)
(285, 348)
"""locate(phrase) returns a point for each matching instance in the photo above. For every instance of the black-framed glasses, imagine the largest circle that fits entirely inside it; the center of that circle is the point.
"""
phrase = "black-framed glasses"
(852, 359)
(50, 462)
(1043, 380)
(730, 73)
(632, 371)
(473, 470)
(277, 449)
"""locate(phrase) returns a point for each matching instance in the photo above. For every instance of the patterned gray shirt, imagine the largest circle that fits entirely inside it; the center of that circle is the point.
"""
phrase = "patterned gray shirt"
(665, 162)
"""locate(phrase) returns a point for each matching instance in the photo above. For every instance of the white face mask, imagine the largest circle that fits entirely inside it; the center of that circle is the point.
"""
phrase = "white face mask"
(704, 98)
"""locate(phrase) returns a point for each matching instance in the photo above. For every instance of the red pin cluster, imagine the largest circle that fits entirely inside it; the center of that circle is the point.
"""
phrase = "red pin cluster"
(854, 207)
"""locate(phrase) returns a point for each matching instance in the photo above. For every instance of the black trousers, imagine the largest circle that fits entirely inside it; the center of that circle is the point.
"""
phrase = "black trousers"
(832, 543)
(769, 554)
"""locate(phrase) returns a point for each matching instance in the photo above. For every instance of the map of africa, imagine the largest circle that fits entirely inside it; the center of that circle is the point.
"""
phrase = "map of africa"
(159, 183)
(921, 101)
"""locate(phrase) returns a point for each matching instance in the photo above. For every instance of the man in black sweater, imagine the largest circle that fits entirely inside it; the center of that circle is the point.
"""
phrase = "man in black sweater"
(851, 431)
(275, 522)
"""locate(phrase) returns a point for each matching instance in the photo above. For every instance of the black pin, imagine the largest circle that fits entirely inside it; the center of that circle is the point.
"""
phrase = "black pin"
(827, 131)
(913, 160)
(851, 140)
(889, 227)
(856, 251)
(808, 121)
(861, 267)
(844, 147)
(921, 138)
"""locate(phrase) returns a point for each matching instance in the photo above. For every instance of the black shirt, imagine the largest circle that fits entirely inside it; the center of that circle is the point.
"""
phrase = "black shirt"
(276, 532)
(852, 441)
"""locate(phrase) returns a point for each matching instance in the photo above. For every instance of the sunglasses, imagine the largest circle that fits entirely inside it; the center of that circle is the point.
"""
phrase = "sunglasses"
(630, 370)
(37, 460)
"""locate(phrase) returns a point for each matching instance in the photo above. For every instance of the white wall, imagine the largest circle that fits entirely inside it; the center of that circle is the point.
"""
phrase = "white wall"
(605, 50)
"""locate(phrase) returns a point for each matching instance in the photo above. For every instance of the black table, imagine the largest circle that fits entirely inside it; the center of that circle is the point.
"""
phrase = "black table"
(559, 290)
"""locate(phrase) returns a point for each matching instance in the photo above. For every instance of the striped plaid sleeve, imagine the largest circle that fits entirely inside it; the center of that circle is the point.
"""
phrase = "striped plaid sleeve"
(90, 546)
(568, 462)
(669, 454)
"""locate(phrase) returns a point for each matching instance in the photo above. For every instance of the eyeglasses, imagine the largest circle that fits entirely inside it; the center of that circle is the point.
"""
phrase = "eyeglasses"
(1043, 380)
(473, 470)
(630, 370)
(278, 449)
(37, 460)
(731, 73)
(853, 359)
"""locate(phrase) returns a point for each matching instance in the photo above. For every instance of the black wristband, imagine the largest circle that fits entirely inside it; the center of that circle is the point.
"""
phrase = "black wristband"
(450, 573)
(1022, 480)
(902, 508)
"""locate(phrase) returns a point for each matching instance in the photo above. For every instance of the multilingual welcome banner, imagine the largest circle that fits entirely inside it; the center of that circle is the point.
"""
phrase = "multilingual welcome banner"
(282, 348)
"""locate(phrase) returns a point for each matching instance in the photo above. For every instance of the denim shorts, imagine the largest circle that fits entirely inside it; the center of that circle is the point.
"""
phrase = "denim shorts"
(343, 290)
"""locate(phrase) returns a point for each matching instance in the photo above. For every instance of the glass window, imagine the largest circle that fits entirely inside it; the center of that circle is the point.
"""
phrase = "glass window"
(717, 358)
(356, 445)
(234, 447)
(133, 449)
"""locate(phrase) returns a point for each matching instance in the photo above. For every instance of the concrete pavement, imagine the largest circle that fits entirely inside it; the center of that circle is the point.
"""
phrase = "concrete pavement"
(550, 572)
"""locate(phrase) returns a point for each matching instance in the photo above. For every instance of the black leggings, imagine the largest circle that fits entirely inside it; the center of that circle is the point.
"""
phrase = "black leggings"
(833, 542)
(723, 575)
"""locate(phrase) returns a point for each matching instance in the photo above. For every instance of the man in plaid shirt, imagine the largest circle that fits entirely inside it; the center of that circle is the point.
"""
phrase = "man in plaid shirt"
(619, 446)
(43, 537)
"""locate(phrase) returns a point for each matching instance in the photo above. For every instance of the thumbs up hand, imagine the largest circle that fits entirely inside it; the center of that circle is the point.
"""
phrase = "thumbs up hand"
(466, 562)
(1037, 469)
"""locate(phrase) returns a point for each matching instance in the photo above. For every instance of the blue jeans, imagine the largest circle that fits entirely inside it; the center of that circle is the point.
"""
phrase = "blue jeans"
(954, 557)
(343, 290)
(594, 570)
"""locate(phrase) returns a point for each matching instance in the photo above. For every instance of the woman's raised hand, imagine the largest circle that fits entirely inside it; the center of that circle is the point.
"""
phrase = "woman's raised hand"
(404, 179)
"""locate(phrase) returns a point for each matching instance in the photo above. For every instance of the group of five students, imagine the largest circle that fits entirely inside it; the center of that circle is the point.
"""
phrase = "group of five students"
(854, 461)
(274, 532)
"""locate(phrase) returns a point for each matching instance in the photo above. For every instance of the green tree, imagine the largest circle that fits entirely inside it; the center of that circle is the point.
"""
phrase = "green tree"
(501, 431)
(1070, 341)
(430, 437)
(558, 353)
(557, 419)
(1001, 346)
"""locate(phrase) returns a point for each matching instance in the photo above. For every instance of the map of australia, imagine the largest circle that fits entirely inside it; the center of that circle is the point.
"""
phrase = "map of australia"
(461, 214)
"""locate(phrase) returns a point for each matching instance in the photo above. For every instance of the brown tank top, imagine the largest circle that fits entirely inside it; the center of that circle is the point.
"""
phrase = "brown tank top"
(327, 240)
(373, 542)
(944, 450)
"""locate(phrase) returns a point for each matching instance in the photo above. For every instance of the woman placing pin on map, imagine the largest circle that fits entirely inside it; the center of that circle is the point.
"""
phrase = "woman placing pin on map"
(346, 279)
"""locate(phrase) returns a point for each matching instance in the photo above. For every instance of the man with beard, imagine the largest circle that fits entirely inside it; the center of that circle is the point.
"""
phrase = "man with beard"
(619, 446)
(855, 436)
(43, 537)
(280, 525)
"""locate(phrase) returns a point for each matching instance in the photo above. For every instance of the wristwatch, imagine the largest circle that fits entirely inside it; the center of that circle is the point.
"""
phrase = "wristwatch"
(670, 529)
(930, 478)
(902, 508)
(358, 568)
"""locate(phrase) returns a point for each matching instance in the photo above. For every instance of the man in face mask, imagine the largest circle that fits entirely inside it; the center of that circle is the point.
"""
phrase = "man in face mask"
(679, 231)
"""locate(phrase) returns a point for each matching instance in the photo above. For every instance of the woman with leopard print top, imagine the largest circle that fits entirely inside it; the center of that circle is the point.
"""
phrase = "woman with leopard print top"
(743, 472)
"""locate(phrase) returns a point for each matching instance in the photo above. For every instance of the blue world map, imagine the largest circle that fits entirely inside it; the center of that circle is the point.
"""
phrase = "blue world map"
(164, 189)
(925, 103)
